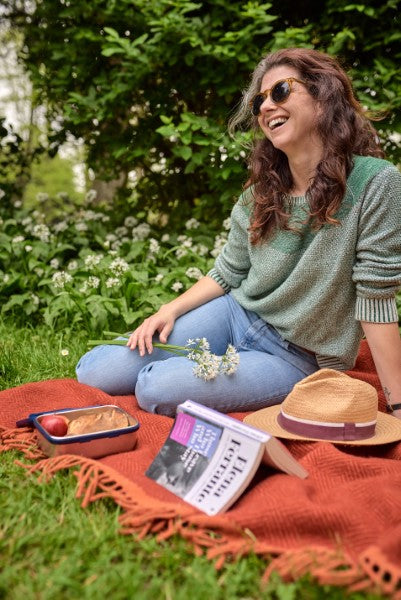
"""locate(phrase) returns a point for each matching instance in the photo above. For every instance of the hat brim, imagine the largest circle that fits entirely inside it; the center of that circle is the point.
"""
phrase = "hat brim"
(387, 430)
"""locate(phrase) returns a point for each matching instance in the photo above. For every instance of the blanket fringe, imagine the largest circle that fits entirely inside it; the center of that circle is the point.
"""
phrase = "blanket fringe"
(221, 538)
(22, 439)
(333, 567)
(378, 569)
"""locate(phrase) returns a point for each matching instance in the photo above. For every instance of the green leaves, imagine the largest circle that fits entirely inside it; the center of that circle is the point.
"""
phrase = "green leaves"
(97, 277)
(149, 85)
(361, 8)
(122, 45)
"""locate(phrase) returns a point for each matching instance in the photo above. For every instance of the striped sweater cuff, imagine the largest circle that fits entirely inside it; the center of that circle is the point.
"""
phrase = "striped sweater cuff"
(376, 310)
(218, 279)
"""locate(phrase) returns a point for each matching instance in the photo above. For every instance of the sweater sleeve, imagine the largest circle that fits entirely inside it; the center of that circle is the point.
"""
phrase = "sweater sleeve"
(377, 269)
(233, 263)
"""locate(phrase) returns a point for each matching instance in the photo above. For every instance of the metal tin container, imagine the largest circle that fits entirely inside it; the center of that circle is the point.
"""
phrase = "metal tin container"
(92, 445)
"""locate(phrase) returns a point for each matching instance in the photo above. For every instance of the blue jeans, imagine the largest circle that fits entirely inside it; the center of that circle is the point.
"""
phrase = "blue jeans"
(269, 365)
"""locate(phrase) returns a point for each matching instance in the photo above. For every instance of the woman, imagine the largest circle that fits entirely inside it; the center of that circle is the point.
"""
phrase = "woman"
(312, 260)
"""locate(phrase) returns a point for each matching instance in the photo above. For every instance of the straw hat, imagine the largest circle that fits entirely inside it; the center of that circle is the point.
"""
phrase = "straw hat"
(330, 406)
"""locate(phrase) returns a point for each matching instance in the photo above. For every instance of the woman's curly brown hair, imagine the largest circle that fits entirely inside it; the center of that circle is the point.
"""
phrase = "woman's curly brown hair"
(344, 129)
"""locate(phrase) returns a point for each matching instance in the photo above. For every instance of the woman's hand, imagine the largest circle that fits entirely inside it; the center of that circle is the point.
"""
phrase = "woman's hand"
(202, 291)
(162, 321)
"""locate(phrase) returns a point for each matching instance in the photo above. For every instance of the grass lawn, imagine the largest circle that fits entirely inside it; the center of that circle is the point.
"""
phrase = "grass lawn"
(51, 548)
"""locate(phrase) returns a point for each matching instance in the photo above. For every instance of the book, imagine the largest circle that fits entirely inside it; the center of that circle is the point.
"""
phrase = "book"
(209, 458)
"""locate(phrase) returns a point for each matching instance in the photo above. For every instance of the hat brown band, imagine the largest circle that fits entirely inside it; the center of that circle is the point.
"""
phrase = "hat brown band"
(341, 432)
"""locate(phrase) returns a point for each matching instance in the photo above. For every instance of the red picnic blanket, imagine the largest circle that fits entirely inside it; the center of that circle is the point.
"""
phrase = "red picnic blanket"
(342, 524)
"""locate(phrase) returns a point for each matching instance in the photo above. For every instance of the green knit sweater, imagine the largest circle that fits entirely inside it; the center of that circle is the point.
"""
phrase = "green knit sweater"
(314, 288)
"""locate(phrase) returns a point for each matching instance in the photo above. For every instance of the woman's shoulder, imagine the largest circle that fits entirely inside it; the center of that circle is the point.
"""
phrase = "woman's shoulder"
(367, 168)
(370, 165)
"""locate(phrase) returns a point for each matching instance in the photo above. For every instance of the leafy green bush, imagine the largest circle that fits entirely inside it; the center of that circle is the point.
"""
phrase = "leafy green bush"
(148, 85)
(83, 272)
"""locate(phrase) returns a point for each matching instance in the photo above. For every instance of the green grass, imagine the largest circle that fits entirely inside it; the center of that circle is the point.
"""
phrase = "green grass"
(51, 548)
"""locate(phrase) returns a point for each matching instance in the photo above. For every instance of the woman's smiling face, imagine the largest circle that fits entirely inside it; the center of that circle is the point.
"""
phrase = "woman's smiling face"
(292, 125)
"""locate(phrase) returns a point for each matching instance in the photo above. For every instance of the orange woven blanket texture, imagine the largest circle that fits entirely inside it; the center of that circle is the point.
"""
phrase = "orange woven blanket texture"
(342, 524)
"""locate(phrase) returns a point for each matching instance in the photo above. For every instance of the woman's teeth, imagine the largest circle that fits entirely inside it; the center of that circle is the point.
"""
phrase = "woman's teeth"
(277, 122)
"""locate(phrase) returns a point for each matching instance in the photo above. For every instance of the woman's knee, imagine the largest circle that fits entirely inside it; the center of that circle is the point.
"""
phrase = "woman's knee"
(104, 368)
(156, 392)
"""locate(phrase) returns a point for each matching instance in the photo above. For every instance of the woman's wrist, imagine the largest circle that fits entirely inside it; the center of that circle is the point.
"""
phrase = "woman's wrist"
(171, 309)
(393, 399)
(393, 407)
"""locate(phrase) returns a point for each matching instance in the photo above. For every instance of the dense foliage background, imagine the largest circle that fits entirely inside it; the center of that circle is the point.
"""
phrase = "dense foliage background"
(148, 85)
(144, 88)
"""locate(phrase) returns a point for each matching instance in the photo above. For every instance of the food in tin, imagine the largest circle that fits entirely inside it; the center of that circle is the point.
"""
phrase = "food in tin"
(104, 421)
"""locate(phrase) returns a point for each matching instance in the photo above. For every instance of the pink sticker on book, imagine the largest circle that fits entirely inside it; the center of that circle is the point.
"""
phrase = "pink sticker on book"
(183, 428)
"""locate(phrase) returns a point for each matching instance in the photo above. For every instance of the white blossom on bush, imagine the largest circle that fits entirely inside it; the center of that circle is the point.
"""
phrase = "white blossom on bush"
(18, 239)
(219, 242)
(201, 249)
(92, 260)
(177, 286)
(194, 273)
(130, 221)
(112, 282)
(192, 224)
(41, 231)
(227, 223)
(54, 263)
(81, 226)
(121, 231)
(60, 278)
(60, 226)
(185, 241)
(116, 245)
(72, 265)
(93, 281)
(181, 252)
(91, 215)
(28, 248)
(140, 232)
(165, 237)
(159, 277)
(154, 246)
(119, 266)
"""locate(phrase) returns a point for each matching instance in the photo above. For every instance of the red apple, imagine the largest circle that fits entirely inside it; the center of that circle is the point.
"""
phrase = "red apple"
(55, 425)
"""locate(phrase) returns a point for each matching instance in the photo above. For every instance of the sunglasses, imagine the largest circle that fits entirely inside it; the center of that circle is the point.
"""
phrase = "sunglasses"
(279, 93)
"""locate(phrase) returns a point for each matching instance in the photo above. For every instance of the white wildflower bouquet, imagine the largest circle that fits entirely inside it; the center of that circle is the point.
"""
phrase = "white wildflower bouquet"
(208, 365)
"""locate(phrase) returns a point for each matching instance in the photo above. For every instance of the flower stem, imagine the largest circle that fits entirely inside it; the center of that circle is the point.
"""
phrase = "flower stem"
(107, 342)
(180, 350)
